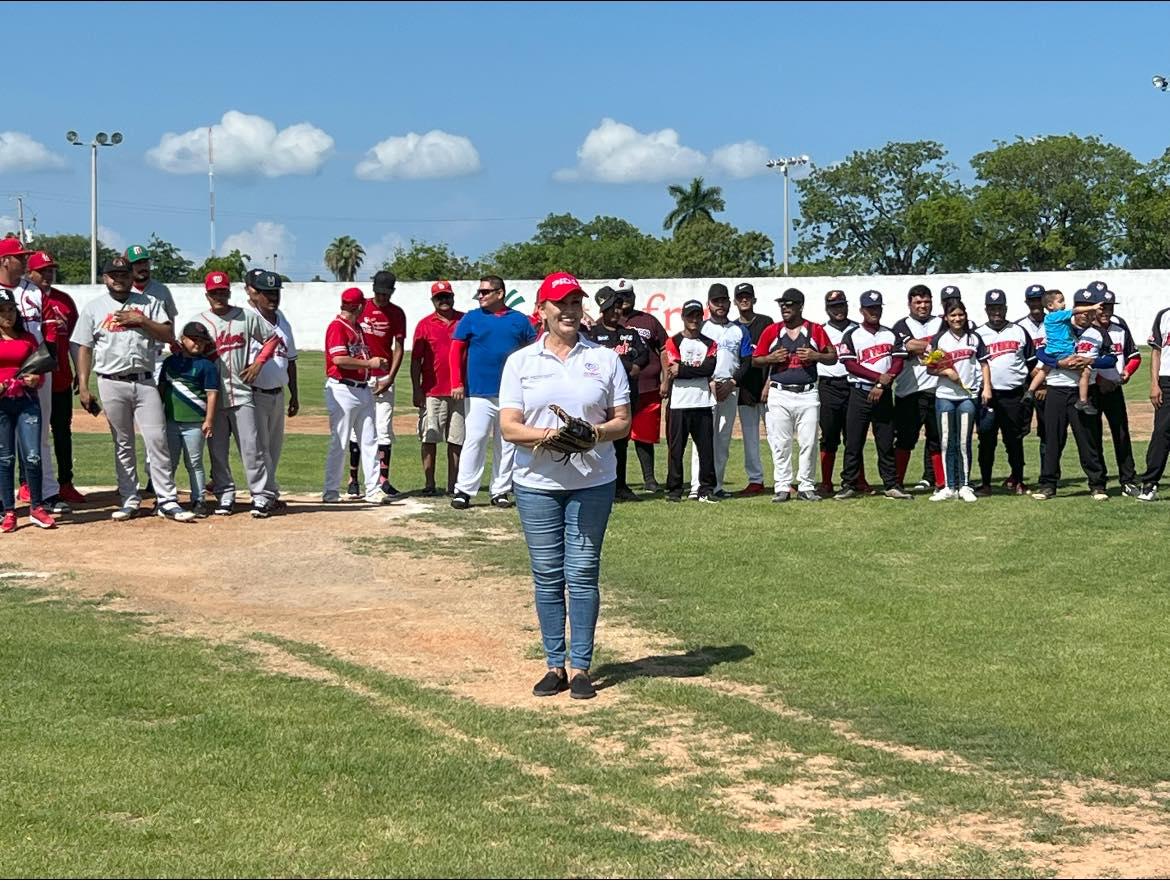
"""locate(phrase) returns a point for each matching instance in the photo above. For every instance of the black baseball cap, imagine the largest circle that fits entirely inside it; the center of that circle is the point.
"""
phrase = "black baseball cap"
(792, 295)
(1084, 297)
(717, 291)
(605, 297)
(197, 331)
(1108, 297)
(1034, 292)
(384, 282)
(1097, 287)
(950, 292)
(745, 289)
(871, 298)
(116, 264)
(692, 306)
(836, 298)
(995, 297)
(263, 280)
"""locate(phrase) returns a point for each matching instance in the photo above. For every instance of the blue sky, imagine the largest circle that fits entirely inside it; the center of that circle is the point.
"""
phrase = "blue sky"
(514, 91)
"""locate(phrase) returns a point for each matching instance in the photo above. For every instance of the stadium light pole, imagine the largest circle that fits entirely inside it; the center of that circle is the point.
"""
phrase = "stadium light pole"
(784, 165)
(101, 139)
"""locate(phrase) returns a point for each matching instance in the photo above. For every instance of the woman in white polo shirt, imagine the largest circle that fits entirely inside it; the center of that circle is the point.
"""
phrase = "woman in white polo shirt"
(564, 505)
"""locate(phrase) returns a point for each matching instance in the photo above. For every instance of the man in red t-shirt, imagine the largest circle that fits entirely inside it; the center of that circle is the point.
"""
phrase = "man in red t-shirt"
(384, 327)
(58, 307)
(440, 417)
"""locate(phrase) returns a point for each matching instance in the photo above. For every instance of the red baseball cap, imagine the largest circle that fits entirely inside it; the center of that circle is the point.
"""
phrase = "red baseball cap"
(352, 297)
(217, 281)
(558, 286)
(11, 246)
(441, 287)
(41, 260)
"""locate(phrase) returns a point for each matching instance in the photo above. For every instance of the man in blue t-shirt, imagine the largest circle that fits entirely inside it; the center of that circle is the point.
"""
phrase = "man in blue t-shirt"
(484, 338)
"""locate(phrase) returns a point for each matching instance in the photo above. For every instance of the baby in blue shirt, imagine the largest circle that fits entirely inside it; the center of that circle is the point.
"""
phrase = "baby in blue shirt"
(1060, 342)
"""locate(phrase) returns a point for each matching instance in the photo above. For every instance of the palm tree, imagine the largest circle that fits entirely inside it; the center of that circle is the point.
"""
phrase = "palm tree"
(344, 257)
(692, 203)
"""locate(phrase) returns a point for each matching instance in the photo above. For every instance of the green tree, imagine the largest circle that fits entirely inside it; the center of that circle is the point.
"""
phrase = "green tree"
(1051, 203)
(344, 258)
(1145, 217)
(692, 203)
(605, 247)
(72, 255)
(166, 263)
(707, 249)
(861, 213)
(234, 264)
(423, 261)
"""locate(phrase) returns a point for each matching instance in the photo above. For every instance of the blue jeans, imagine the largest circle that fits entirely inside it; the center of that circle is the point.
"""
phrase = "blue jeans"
(20, 428)
(564, 530)
(956, 423)
(188, 437)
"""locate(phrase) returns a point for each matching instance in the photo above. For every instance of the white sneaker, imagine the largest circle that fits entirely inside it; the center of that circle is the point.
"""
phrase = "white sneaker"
(943, 495)
(126, 512)
(1148, 495)
(174, 511)
(967, 494)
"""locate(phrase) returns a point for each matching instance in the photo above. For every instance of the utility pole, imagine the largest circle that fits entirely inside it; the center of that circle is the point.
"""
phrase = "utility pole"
(20, 216)
(211, 187)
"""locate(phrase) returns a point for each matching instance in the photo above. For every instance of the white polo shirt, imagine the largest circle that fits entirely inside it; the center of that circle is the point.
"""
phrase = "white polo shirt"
(587, 384)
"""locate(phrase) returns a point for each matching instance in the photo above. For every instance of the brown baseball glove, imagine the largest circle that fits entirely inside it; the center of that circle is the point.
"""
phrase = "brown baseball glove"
(575, 436)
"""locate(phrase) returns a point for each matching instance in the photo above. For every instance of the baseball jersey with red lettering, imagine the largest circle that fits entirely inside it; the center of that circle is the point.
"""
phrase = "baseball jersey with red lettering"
(380, 328)
(1122, 345)
(1010, 355)
(873, 350)
(836, 334)
(793, 371)
(1035, 330)
(60, 308)
(914, 377)
(231, 333)
(1160, 339)
(342, 338)
(962, 353)
(1091, 343)
(696, 358)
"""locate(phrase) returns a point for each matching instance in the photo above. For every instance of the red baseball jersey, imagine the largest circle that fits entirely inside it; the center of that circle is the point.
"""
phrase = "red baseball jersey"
(342, 338)
(381, 327)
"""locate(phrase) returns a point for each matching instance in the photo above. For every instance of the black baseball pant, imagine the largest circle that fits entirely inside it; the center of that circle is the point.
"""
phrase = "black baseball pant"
(912, 413)
(1112, 406)
(621, 450)
(860, 418)
(1010, 413)
(1061, 414)
(1159, 449)
(61, 424)
(1036, 406)
(698, 424)
(833, 392)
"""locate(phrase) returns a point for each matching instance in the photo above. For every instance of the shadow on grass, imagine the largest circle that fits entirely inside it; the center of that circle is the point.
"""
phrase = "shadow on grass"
(696, 662)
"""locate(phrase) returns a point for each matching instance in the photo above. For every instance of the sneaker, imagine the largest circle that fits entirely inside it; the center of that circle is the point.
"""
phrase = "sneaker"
(580, 688)
(984, 490)
(1148, 494)
(502, 501)
(330, 498)
(845, 493)
(461, 501)
(224, 508)
(428, 492)
(174, 511)
(126, 512)
(380, 498)
(625, 494)
(552, 683)
(923, 486)
(69, 493)
(353, 493)
(1099, 495)
(966, 494)
(279, 506)
(57, 505)
(1043, 494)
(693, 496)
(40, 517)
(8, 524)
(389, 489)
(1086, 408)
(943, 495)
(22, 495)
(1132, 490)
(898, 494)
(652, 486)
(780, 498)
(201, 510)
(808, 496)
(261, 512)
(709, 498)
(674, 497)
(752, 489)
(723, 495)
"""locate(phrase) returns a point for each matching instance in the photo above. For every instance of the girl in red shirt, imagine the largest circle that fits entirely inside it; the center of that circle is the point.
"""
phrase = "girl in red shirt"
(20, 418)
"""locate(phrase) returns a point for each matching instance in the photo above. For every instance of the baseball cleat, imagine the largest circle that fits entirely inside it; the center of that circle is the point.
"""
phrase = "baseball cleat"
(8, 524)
(651, 486)
(1132, 490)
(1148, 494)
(808, 496)
(709, 498)
(1043, 494)
(461, 501)
(845, 493)
(223, 509)
(56, 505)
(260, 512)
(201, 510)
(1099, 495)
(389, 489)
(40, 517)
(966, 494)
(428, 492)
(126, 512)
(897, 494)
(674, 497)
(923, 486)
(174, 511)
(780, 498)
(501, 501)
(353, 493)
(723, 495)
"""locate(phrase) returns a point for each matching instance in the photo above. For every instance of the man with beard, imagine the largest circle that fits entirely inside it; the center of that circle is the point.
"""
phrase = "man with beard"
(646, 426)
(914, 389)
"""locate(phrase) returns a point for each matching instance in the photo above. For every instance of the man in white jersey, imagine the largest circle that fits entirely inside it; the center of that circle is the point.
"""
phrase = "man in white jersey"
(1010, 357)
(1111, 382)
(833, 390)
(914, 390)
(1033, 323)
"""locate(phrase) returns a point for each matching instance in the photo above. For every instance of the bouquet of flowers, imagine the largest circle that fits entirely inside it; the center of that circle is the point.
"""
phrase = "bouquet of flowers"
(936, 363)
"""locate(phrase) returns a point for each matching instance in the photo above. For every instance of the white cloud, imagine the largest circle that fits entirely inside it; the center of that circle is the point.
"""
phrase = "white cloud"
(245, 145)
(381, 251)
(111, 238)
(412, 156)
(19, 152)
(745, 159)
(261, 242)
(616, 153)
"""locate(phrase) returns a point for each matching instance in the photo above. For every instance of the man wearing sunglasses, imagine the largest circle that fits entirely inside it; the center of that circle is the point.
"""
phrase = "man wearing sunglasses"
(484, 338)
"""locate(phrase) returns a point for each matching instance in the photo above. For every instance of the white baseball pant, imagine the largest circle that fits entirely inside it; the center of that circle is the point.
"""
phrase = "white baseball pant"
(793, 414)
(724, 413)
(270, 413)
(383, 415)
(125, 404)
(49, 485)
(240, 421)
(750, 416)
(351, 412)
(483, 419)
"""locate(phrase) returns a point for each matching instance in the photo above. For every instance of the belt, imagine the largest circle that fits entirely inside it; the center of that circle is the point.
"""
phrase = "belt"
(835, 380)
(127, 377)
(269, 391)
(784, 387)
(352, 383)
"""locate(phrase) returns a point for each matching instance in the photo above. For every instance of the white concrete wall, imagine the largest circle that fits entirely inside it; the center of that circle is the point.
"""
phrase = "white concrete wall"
(309, 307)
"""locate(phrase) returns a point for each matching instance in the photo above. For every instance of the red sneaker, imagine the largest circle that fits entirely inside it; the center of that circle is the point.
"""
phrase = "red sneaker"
(23, 495)
(752, 489)
(69, 493)
(8, 524)
(42, 518)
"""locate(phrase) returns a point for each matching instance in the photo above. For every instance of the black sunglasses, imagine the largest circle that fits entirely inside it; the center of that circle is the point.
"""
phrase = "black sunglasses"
(482, 291)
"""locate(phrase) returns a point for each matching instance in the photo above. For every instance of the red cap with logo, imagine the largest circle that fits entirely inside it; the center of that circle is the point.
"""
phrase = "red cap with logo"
(558, 286)
(217, 281)
(41, 260)
(441, 287)
(352, 297)
(10, 246)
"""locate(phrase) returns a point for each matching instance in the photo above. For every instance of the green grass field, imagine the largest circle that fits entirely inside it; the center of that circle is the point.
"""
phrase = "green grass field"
(836, 644)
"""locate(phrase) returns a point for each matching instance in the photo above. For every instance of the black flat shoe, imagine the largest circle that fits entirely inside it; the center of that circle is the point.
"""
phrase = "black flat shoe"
(581, 688)
(553, 683)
